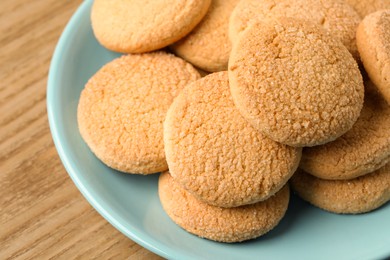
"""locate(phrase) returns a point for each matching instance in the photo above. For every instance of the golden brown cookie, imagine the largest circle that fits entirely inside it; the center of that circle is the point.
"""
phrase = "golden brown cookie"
(221, 224)
(354, 196)
(294, 82)
(363, 149)
(123, 106)
(134, 26)
(373, 39)
(337, 17)
(208, 45)
(215, 154)
(365, 7)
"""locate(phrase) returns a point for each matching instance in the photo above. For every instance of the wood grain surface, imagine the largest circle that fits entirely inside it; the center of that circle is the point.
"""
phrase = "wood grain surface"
(42, 214)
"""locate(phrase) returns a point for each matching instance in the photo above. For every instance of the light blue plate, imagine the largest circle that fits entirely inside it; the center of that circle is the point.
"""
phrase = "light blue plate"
(131, 203)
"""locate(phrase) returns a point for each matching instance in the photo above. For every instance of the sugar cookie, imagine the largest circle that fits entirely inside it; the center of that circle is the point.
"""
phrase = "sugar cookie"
(365, 7)
(363, 149)
(373, 39)
(215, 154)
(337, 17)
(354, 196)
(123, 106)
(208, 45)
(221, 224)
(294, 82)
(134, 26)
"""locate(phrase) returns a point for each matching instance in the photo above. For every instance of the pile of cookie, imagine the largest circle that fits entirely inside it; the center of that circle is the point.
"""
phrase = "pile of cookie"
(282, 100)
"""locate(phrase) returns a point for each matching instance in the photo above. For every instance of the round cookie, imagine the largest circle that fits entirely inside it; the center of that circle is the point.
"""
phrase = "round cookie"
(363, 149)
(373, 40)
(337, 17)
(359, 195)
(221, 224)
(208, 45)
(215, 154)
(294, 82)
(123, 106)
(133, 26)
(365, 7)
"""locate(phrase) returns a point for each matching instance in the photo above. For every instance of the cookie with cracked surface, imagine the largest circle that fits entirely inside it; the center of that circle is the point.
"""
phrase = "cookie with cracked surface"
(363, 149)
(373, 40)
(122, 108)
(337, 17)
(221, 224)
(366, 7)
(133, 26)
(359, 195)
(215, 154)
(208, 45)
(294, 82)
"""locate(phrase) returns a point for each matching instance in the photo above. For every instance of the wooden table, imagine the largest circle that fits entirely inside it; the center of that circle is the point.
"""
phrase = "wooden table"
(42, 214)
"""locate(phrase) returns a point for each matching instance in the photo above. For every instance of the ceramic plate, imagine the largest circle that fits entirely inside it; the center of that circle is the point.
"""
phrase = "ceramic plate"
(131, 204)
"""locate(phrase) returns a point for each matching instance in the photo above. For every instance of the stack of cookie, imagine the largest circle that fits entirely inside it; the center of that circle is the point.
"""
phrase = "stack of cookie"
(284, 76)
(221, 160)
(351, 174)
